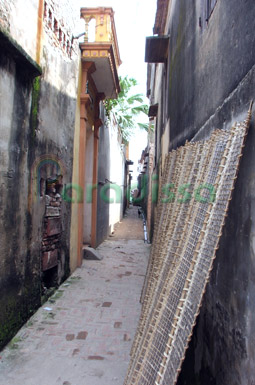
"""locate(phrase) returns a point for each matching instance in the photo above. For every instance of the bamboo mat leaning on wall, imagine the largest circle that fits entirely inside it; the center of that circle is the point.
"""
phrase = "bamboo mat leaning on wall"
(196, 187)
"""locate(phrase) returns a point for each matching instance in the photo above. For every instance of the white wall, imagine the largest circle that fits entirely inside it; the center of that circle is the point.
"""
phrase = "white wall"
(88, 182)
(117, 167)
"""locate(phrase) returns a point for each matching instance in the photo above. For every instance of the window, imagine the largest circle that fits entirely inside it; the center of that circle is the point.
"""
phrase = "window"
(45, 11)
(55, 26)
(50, 19)
(60, 35)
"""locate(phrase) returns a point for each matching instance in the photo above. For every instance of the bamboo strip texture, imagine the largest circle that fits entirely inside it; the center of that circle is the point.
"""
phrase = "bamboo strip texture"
(186, 238)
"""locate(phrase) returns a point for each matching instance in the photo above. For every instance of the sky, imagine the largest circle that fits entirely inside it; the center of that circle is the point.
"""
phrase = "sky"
(134, 20)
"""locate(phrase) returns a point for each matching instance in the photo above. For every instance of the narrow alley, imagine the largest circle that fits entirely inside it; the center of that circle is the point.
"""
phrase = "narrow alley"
(83, 334)
(106, 105)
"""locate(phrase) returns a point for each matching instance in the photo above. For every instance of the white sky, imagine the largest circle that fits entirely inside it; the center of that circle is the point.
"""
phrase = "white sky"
(134, 20)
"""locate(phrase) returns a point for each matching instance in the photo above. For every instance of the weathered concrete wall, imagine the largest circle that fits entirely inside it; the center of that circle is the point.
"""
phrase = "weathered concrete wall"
(206, 64)
(210, 81)
(20, 19)
(19, 262)
(37, 128)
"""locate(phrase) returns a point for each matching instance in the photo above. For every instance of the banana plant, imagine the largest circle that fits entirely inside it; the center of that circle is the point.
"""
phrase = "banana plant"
(127, 108)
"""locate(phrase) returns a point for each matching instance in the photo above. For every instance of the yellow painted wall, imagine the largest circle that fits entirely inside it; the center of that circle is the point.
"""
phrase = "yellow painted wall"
(75, 181)
(103, 29)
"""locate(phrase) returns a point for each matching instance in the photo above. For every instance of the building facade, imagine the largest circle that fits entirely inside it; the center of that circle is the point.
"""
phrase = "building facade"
(99, 80)
(52, 146)
(201, 77)
(39, 75)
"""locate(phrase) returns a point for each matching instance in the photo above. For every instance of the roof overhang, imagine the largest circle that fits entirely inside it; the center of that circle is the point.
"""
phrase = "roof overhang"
(156, 49)
(105, 76)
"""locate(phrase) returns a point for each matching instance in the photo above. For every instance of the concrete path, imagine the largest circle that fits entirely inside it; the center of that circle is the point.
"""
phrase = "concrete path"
(83, 334)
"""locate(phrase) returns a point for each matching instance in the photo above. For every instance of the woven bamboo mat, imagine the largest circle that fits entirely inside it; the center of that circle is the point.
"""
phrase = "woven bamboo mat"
(195, 190)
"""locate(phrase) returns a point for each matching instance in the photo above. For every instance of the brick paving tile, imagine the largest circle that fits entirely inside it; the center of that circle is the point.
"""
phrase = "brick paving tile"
(85, 336)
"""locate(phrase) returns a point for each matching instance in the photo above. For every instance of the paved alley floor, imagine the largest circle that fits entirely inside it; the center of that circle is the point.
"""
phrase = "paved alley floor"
(83, 334)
